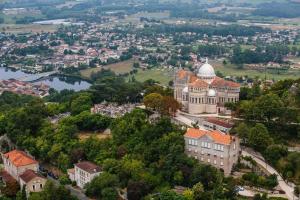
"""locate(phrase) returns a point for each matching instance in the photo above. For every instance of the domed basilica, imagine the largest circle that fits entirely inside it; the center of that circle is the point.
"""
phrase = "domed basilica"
(204, 92)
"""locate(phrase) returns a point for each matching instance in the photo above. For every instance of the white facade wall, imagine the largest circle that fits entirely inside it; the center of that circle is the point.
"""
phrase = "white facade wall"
(83, 177)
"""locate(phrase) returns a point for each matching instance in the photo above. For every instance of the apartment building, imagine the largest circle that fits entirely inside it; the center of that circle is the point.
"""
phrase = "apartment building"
(212, 147)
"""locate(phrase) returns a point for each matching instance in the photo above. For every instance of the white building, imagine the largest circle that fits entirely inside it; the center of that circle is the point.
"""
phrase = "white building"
(84, 172)
(204, 92)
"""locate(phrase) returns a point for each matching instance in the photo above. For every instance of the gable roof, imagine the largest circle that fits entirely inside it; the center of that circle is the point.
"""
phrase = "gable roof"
(19, 158)
(88, 167)
(6, 177)
(216, 136)
(29, 174)
(219, 122)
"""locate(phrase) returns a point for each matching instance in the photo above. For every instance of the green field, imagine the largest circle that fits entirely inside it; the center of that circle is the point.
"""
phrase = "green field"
(230, 70)
(118, 68)
(163, 76)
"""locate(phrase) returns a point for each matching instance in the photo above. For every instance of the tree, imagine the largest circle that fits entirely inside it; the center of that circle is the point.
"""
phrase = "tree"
(243, 131)
(136, 190)
(51, 191)
(154, 101)
(259, 137)
(169, 105)
(21, 195)
(81, 103)
(100, 186)
(273, 153)
(198, 191)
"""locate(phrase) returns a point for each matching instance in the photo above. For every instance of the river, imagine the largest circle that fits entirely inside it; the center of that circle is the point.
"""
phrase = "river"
(56, 82)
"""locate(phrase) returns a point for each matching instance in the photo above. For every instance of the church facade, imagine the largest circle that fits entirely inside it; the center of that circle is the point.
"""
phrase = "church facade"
(204, 92)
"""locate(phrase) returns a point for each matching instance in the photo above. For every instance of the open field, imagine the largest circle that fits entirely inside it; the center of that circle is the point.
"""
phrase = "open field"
(27, 28)
(163, 76)
(230, 70)
(101, 135)
(118, 68)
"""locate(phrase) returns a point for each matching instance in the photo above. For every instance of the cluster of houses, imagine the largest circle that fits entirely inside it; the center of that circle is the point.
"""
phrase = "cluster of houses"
(104, 44)
(20, 87)
(22, 168)
(112, 110)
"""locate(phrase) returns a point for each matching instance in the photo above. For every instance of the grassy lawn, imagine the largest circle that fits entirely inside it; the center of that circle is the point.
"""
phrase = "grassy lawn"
(230, 70)
(161, 75)
(118, 68)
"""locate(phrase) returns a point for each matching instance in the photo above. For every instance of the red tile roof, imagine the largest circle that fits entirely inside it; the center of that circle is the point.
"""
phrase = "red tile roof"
(216, 136)
(19, 158)
(6, 177)
(199, 83)
(182, 74)
(29, 174)
(219, 122)
(219, 82)
(88, 167)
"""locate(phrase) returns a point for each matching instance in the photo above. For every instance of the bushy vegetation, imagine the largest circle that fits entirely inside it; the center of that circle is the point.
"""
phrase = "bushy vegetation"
(272, 120)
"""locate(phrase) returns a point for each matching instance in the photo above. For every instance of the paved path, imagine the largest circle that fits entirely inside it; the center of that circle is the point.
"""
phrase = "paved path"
(75, 192)
(289, 191)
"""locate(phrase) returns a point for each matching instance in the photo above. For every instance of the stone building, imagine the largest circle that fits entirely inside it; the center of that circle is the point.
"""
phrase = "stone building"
(204, 92)
(212, 147)
(32, 181)
(16, 162)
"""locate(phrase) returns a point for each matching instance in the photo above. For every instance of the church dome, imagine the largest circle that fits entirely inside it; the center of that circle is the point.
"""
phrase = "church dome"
(211, 93)
(185, 90)
(206, 71)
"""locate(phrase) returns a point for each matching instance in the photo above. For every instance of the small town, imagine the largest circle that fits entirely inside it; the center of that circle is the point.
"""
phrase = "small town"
(149, 100)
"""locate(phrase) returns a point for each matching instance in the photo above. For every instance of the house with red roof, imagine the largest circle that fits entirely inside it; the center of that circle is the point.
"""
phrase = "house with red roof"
(32, 181)
(16, 162)
(212, 147)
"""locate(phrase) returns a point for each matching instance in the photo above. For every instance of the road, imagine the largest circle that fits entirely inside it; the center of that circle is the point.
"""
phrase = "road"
(75, 192)
(289, 191)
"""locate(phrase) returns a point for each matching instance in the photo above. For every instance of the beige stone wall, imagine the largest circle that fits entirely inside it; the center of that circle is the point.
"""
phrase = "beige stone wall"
(35, 185)
(22, 169)
(220, 159)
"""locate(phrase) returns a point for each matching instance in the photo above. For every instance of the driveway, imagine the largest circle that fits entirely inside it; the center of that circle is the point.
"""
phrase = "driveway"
(75, 192)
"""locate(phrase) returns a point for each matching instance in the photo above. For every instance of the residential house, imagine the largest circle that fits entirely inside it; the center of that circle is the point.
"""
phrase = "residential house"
(84, 172)
(16, 162)
(32, 181)
(212, 147)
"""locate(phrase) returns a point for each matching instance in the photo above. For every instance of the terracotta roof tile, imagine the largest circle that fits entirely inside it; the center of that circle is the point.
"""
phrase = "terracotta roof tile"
(182, 74)
(6, 177)
(220, 137)
(216, 136)
(219, 82)
(219, 122)
(88, 167)
(19, 158)
(29, 174)
(194, 133)
(199, 83)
